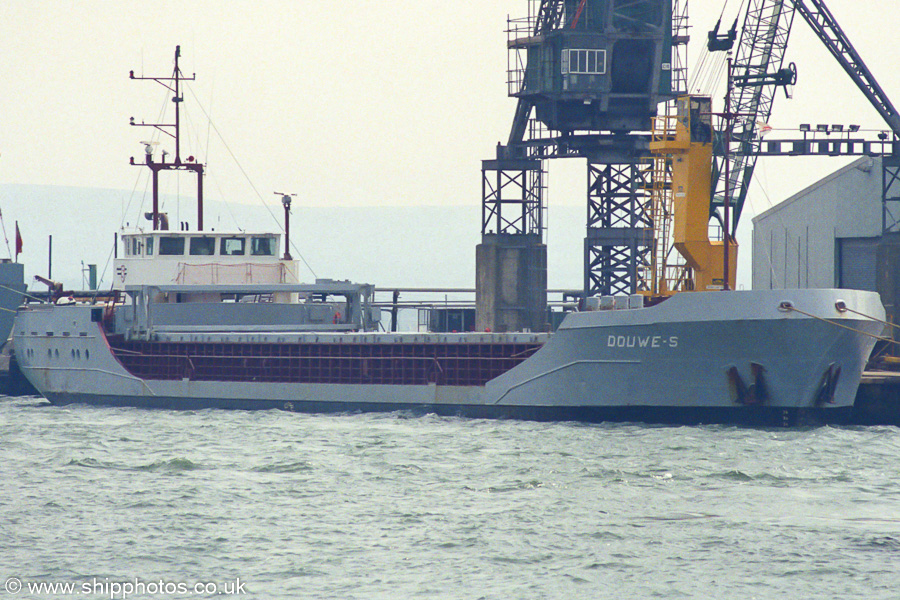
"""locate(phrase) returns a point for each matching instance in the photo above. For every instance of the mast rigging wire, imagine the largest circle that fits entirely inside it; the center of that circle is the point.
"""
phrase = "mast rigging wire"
(249, 181)
(5, 239)
(194, 131)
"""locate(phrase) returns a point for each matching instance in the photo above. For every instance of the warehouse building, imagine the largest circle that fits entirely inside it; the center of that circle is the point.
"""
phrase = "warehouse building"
(841, 232)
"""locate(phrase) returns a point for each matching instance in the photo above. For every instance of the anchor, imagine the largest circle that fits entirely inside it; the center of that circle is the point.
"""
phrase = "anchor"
(755, 394)
(825, 391)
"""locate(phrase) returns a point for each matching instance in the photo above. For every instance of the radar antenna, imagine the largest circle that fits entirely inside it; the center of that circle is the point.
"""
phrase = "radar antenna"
(286, 202)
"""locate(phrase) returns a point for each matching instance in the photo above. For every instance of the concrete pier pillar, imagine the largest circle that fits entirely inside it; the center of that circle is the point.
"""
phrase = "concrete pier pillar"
(511, 283)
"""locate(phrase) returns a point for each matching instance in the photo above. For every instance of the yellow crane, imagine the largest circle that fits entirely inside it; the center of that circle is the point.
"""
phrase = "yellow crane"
(680, 187)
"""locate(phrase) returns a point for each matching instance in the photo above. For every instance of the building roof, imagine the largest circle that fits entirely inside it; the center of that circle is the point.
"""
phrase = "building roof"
(857, 164)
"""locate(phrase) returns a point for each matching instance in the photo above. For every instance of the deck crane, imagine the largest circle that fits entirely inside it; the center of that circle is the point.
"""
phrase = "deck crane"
(759, 71)
(694, 176)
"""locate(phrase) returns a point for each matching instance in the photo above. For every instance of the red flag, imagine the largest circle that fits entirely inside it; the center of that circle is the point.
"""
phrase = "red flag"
(18, 241)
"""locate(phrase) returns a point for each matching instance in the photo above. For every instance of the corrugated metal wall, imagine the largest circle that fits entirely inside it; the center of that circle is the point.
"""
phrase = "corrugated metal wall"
(857, 263)
(800, 242)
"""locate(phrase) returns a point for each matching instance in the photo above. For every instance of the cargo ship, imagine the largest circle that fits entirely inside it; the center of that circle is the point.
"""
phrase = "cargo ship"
(12, 288)
(200, 319)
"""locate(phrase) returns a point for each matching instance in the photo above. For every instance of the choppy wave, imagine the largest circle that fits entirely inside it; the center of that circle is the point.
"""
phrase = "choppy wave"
(402, 506)
(173, 465)
(284, 467)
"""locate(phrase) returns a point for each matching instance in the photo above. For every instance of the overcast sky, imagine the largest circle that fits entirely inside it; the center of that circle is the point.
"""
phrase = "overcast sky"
(363, 102)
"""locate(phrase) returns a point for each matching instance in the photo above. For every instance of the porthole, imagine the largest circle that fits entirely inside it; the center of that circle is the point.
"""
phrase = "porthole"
(56, 353)
(87, 354)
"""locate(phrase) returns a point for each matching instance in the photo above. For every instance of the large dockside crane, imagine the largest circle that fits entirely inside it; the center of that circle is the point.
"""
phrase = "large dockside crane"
(589, 76)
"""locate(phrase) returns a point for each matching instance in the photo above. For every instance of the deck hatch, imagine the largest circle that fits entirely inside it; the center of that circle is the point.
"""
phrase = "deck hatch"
(351, 363)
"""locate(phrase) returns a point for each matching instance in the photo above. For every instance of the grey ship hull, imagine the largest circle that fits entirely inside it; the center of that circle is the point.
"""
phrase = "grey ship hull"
(12, 289)
(704, 357)
(12, 286)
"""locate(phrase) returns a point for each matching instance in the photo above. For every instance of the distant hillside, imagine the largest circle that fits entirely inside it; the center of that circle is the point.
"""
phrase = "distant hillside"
(421, 246)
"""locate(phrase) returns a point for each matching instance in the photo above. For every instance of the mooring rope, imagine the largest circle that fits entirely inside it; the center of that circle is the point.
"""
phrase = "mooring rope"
(844, 308)
(787, 306)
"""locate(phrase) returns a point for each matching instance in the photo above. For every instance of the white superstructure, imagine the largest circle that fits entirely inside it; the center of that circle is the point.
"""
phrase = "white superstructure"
(201, 258)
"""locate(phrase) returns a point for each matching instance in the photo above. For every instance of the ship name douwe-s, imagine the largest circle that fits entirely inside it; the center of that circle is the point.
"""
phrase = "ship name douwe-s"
(646, 341)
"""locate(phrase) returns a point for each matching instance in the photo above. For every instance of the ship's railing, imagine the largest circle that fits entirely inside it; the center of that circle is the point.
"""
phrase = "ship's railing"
(326, 305)
(223, 273)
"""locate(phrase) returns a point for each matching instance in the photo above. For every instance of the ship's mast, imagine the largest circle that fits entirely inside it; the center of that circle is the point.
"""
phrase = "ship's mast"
(173, 84)
(729, 128)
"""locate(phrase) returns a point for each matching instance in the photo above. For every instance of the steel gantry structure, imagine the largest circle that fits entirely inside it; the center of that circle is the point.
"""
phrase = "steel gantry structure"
(589, 75)
(759, 71)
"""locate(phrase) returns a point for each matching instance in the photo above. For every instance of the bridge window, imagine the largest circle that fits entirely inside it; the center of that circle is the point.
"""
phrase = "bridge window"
(171, 246)
(262, 246)
(203, 246)
(149, 246)
(232, 246)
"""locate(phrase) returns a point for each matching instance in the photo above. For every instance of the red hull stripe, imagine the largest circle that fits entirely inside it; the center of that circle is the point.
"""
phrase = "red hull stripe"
(374, 364)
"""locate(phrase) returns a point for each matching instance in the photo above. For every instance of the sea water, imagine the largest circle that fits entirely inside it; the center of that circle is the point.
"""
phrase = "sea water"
(127, 503)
